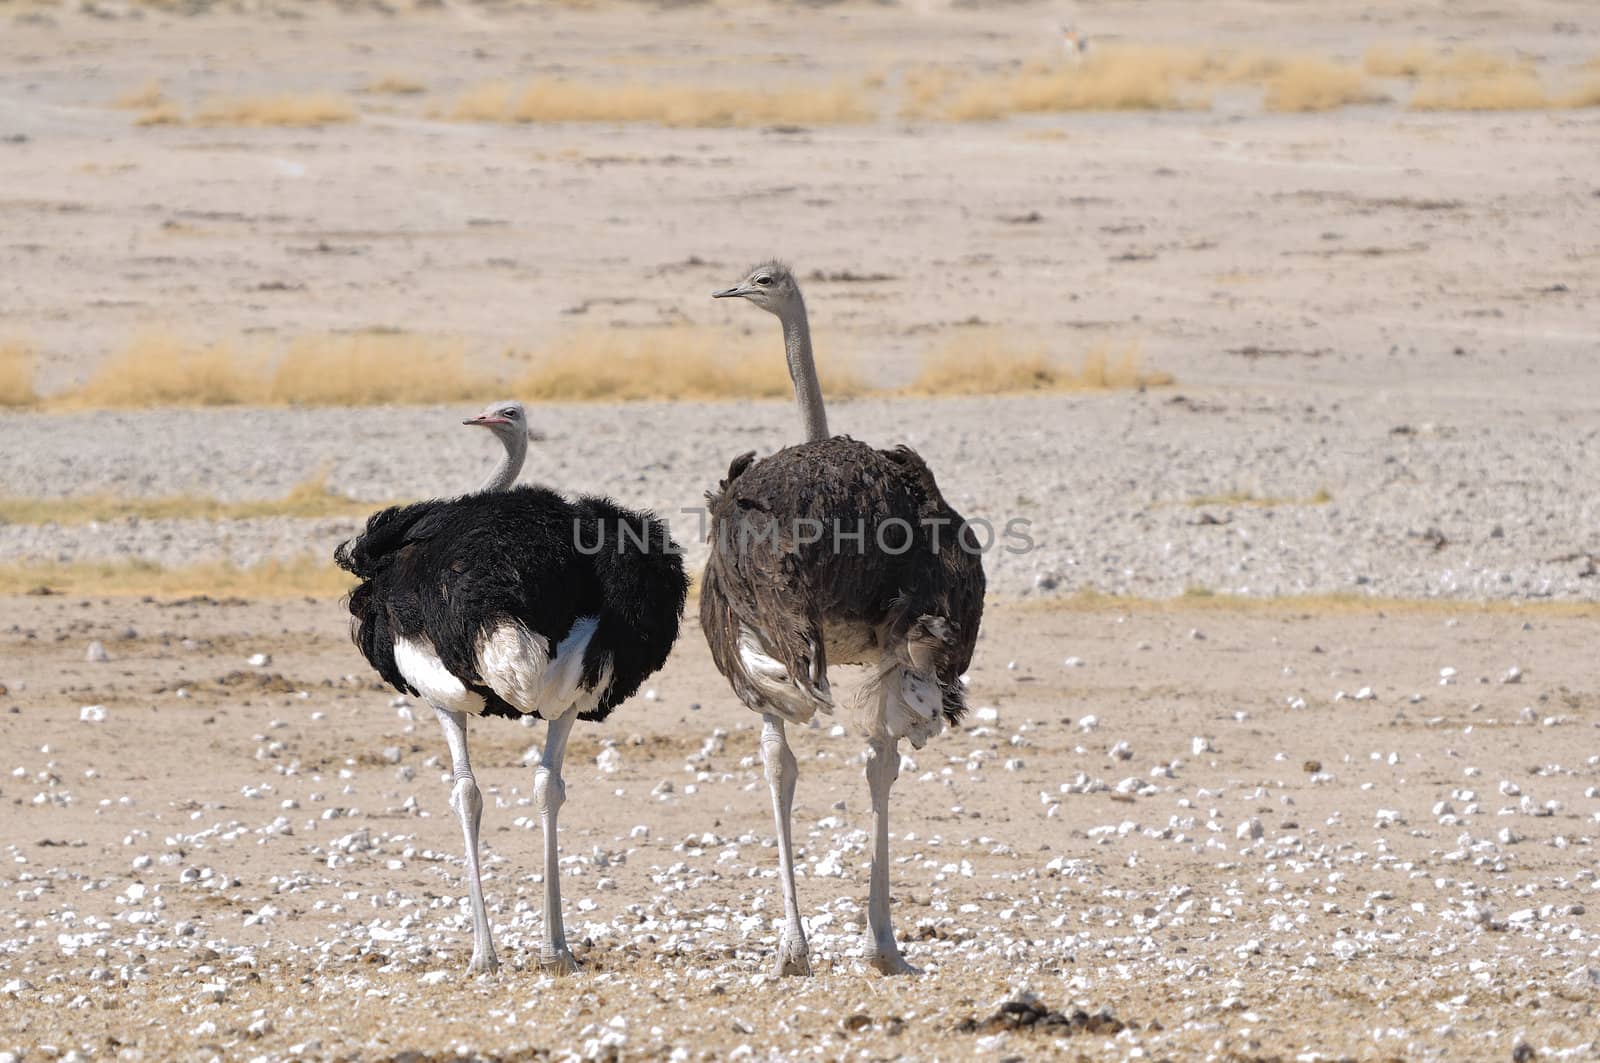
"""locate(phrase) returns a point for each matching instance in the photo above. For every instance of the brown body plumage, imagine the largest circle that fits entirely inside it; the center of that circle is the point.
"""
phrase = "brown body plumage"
(834, 551)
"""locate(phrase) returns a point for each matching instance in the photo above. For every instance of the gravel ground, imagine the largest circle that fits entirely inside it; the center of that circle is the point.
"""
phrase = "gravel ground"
(1218, 833)
(1146, 494)
(1199, 828)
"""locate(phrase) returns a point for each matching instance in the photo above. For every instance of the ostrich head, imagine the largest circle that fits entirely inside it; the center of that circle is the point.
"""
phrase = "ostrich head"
(507, 420)
(771, 286)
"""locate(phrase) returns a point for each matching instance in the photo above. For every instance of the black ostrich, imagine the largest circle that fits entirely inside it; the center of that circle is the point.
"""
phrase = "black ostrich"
(513, 602)
(832, 551)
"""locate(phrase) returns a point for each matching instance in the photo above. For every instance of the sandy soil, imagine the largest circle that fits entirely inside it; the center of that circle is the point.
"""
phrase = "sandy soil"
(1320, 844)
(1314, 848)
(1384, 343)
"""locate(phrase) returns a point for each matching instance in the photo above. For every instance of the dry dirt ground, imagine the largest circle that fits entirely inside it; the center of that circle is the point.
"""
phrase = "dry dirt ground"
(1268, 832)
(1316, 842)
(1360, 250)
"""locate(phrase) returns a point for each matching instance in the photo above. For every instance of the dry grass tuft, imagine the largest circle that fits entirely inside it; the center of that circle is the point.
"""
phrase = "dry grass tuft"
(489, 102)
(144, 98)
(670, 363)
(16, 376)
(301, 110)
(161, 114)
(554, 100)
(1422, 60)
(1511, 91)
(376, 368)
(395, 85)
(160, 369)
(1588, 95)
(1249, 498)
(1463, 79)
(989, 362)
(1112, 79)
(925, 89)
(311, 498)
(1311, 83)
(308, 576)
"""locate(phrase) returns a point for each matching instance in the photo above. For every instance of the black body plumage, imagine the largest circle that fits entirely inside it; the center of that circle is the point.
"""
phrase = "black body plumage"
(893, 556)
(451, 570)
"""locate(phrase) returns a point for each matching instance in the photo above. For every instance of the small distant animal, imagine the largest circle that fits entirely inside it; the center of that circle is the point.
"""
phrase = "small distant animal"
(1074, 42)
(514, 601)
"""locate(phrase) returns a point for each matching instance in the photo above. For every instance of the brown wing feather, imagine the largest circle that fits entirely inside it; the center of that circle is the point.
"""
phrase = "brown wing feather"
(798, 539)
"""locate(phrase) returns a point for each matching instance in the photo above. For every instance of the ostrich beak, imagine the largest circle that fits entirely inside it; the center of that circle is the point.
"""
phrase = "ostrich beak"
(486, 419)
(733, 293)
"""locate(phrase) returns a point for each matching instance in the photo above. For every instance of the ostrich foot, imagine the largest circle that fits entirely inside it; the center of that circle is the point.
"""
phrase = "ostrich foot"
(485, 962)
(794, 958)
(560, 962)
(889, 963)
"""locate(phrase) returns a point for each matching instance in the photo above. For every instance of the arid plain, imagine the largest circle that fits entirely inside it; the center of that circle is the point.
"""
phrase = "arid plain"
(1272, 323)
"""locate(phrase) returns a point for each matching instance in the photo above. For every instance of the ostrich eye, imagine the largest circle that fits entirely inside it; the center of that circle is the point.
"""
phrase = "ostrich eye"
(509, 413)
(763, 281)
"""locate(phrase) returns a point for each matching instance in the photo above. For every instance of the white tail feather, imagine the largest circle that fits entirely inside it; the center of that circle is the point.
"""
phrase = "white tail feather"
(518, 665)
(780, 693)
(897, 702)
(913, 707)
(513, 661)
(419, 663)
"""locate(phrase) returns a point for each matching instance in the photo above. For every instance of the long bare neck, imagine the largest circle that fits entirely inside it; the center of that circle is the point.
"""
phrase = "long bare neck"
(510, 466)
(803, 372)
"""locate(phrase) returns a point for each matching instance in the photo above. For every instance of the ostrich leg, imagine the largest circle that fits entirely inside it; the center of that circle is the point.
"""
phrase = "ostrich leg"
(468, 803)
(794, 957)
(549, 794)
(883, 766)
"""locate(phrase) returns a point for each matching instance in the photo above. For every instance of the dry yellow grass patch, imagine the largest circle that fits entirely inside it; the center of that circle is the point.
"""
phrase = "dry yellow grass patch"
(555, 100)
(1588, 95)
(376, 369)
(1311, 83)
(925, 89)
(1424, 60)
(1463, 79)
(308, 109)
(308, 576)
(309, 498)
(669, 362)
(989, 362)
(1112, 79)
(1509, 91)
(16, 375)
(161, 369)
(488, 102)
(1249, 498)
(161, 114)
(144, 98)
(395, 85)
